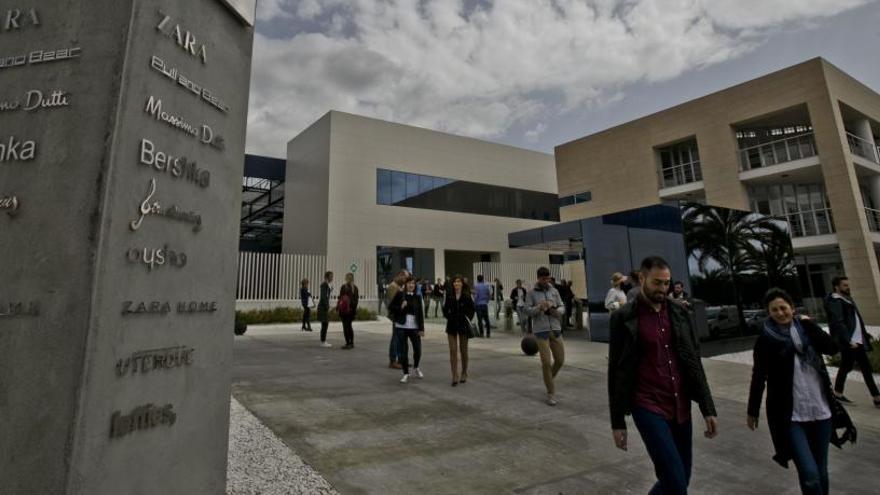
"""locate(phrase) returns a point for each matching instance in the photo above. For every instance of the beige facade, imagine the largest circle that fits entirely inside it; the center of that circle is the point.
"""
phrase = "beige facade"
(800, 143)
(332, 208)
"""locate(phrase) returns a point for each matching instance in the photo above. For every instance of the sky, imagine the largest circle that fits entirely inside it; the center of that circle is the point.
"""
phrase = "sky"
(531, 73)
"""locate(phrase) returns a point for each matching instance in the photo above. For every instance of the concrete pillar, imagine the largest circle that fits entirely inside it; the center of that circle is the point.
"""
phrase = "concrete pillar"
(841, 183)
(117, 274)
(863, 130)
(439, 263)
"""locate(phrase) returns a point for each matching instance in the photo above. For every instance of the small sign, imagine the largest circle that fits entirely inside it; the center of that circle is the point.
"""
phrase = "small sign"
(353, 267)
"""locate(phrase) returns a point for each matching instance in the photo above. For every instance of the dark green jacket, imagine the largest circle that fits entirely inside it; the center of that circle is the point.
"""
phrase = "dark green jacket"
(623, 361)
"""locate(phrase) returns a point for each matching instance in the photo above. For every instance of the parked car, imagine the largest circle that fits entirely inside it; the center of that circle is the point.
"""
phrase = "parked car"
(755, 319)
(722, 320)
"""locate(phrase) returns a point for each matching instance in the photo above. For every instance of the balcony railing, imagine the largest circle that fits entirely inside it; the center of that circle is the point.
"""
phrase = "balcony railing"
(811, 222)
(873, 219)
(681, 174)
(776, 152)
(863, 147)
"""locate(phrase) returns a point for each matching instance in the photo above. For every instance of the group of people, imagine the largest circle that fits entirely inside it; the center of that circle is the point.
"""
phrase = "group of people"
(654, 365)
(346, 306)
(654, 372)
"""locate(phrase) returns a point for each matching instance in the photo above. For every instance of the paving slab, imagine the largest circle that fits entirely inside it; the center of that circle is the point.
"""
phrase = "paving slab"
(345, 414)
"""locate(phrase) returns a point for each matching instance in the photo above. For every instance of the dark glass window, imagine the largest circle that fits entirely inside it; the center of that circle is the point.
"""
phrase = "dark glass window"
(574, 199)
(436, 193)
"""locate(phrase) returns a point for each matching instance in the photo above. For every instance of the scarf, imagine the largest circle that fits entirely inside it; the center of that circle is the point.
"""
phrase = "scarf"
(808, 356)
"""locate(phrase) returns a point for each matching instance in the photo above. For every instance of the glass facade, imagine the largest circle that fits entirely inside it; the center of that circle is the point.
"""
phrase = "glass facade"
(805, 206)
(395, 188)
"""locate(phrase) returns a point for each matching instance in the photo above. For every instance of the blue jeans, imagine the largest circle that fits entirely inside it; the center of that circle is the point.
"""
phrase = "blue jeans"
(669, 445)
(483, 314)
(809, 451)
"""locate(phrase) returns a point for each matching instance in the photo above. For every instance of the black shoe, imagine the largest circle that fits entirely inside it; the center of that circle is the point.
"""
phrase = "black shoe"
(842, 398)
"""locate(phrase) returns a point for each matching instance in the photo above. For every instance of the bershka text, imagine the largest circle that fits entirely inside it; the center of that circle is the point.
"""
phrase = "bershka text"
(178, 167)
(16, 150)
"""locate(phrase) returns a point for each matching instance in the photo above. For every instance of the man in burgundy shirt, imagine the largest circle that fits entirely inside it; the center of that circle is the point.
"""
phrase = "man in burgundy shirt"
(654, 372)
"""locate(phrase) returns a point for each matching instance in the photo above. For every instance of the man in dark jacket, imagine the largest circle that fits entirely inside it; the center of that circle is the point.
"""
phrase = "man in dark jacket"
(848, 330)
(654, 372)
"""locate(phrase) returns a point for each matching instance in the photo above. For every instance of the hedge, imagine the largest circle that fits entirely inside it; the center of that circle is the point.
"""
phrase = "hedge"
(293, 315)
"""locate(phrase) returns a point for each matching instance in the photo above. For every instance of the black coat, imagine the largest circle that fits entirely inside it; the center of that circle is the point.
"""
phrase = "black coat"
(623, 361)
(842, 322)
(458, 312)
(774, 365)
(413, 307)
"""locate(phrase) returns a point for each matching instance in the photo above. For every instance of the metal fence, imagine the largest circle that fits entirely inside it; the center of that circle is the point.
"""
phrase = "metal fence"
(508, 273)
(276, 277)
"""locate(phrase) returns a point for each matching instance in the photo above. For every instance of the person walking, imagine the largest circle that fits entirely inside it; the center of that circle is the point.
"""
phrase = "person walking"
(654, 372)
(848, 329)
(544, 306)
(324, 306)
(633, 292)
(305, 298)
(409, 325)
(788, 359)
(458, 309)
(394, 287)
(346, 306)
(616, 296)
(498, 293)
(438, 294)
(482, 296)
(427, 292)
(567, 296)
(518, 301)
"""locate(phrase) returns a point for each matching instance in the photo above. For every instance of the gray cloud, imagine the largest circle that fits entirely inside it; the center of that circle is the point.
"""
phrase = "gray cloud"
(482, 68)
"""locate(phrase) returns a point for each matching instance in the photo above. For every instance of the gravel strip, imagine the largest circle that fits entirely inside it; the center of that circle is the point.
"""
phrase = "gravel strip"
(261, 464)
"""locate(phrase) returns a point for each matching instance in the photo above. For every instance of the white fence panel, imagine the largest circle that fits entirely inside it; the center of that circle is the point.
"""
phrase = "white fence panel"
(508, 273)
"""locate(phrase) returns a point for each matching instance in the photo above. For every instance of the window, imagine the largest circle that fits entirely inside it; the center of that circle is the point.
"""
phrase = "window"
(395, 188)
(574, 199)
(804, 206)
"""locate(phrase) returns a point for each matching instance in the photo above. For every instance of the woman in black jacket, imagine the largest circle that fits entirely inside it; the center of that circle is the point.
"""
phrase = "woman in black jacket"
(788, 358)
(458, 310)
(409, 326)
(305, 298)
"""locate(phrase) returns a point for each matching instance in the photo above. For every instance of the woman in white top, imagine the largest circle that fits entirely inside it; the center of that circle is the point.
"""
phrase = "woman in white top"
(616, 297)
(788, 359)
(409, 325)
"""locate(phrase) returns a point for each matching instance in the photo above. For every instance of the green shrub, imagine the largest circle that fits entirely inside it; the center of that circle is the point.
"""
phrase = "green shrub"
(873, 356)
(294, 315)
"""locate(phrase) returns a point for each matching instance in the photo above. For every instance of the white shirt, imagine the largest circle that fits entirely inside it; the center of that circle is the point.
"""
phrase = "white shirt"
(808, 401)
(613, 298)
(857, 332)
(410, 323)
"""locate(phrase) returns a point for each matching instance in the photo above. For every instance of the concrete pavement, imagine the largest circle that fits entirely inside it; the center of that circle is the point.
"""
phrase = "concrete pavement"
(344, 412)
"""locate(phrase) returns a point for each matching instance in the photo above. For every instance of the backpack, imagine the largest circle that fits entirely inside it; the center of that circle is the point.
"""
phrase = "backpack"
(343, 305)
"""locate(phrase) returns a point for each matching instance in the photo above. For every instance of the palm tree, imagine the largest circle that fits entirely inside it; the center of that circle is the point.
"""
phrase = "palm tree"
(727, 238)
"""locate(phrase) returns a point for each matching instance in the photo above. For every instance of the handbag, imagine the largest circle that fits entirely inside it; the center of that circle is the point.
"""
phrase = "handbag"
(840, 420)
(311, 302)
(472, 330)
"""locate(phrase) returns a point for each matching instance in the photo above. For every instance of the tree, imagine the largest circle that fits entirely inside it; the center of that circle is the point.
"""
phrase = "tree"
(731, 239)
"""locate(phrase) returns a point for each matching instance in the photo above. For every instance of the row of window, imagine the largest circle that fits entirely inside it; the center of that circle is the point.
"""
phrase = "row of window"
(436, 193)
(805, 206)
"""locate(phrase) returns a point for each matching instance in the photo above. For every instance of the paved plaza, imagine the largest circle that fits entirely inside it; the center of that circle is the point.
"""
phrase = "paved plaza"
(344, 413)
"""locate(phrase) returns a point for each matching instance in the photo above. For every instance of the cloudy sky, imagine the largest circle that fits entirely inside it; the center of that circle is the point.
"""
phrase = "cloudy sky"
(531, 73)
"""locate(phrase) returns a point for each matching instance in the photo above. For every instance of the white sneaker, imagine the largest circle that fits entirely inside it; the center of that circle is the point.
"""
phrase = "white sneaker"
(326, 344)
(404, 379)
(419, 373)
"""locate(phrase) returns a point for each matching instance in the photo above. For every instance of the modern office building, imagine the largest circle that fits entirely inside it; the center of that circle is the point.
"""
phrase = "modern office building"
(410, 197)
(800, 144)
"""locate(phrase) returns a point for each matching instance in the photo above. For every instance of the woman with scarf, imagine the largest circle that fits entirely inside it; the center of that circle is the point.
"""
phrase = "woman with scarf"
(409, 326)
(458, 310)
(788, 358)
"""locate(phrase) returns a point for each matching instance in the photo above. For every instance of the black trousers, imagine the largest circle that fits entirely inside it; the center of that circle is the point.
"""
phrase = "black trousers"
(307, 314)
(848, 357)
(325, 322)
(404, 336)
(347, 329)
